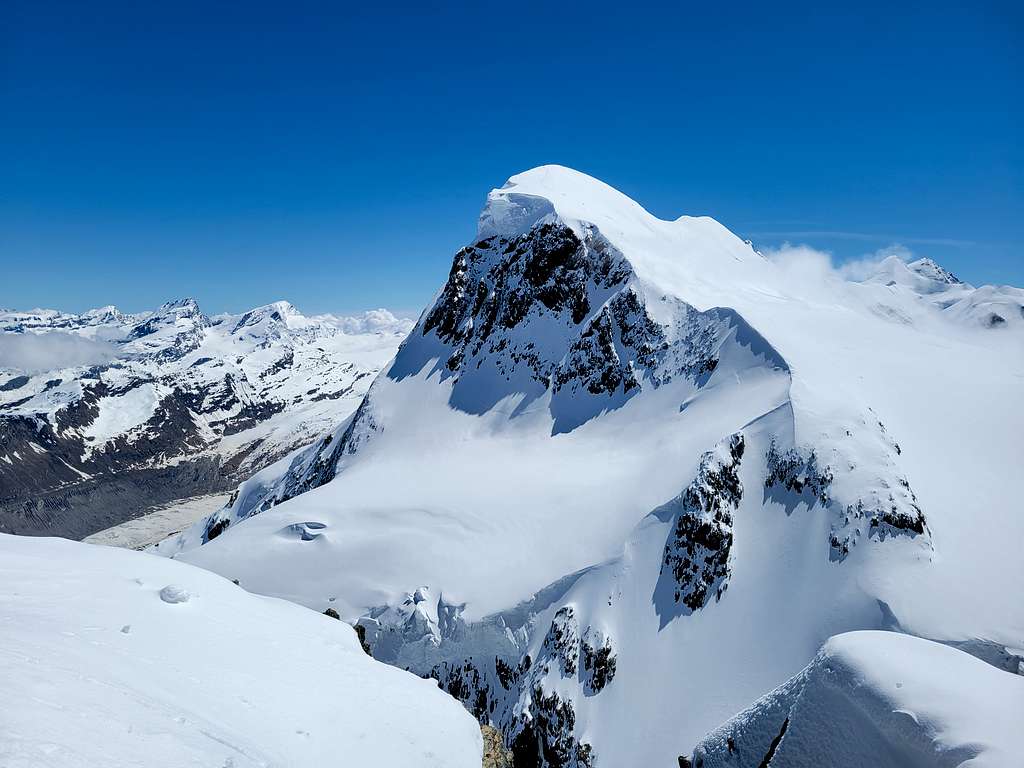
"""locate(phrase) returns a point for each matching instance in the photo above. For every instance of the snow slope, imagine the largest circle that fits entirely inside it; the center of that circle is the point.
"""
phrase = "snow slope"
(103, 415)
(881, 699)
(117, 658)
(615, 449)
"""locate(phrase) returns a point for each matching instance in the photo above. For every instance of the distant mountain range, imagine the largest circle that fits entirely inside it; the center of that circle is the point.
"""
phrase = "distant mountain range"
(104, 415)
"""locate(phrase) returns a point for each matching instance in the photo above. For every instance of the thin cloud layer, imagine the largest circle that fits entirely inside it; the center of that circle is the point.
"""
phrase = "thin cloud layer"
(373, 321)
(37, 352)
(805, 262)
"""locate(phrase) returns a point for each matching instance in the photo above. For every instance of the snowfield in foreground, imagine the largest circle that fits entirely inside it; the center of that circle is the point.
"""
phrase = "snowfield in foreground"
(117, 658)
(881, 699)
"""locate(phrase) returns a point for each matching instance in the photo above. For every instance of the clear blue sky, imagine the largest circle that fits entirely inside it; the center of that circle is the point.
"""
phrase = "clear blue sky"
(337, 156)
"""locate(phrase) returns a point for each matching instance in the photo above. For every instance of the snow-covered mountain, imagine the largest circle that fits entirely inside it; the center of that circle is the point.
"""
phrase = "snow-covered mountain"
(103, 414)
(989, 306)
(116, 658)
(626, 476)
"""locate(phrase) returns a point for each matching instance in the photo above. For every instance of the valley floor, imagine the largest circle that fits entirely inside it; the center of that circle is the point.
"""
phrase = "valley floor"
(157, 525)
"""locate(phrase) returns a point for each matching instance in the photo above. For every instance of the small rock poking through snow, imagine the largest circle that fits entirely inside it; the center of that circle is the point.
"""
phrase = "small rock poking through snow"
(174, 594)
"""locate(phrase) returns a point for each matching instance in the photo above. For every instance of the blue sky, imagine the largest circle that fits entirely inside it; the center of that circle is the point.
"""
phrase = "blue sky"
(338, 156)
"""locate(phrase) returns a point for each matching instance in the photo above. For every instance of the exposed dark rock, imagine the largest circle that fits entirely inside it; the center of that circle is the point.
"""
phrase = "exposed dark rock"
(14, 383)
(468, 684)
(563, 640)
(599, 665)
(544, 735)
(798, 472)
(766, 761)
(508, 675)
(286, 361)
(697, 550)
(887, 508)
(215, 528)
(361, 634)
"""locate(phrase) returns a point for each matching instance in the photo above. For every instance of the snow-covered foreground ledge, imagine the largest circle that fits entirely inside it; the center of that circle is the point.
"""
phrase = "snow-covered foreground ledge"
(882, 699)
(115, 658)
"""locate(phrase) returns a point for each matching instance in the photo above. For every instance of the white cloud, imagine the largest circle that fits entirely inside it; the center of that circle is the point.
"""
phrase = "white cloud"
(862, 268)
(806, 263)
(36, 352)
(373, 321)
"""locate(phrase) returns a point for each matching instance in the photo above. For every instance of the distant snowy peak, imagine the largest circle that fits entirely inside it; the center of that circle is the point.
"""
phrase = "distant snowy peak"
(282, 315)
(14, 321)
(104, 315)
(932, 271)
(272, 323)
(171, 332)
(992, 307)
(922, 276)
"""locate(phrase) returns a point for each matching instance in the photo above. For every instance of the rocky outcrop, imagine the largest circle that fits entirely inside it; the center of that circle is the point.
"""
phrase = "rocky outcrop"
(544, 735)
(696, 556)
(559, 311)
(866, 495)
(599, 662)
(496, 754)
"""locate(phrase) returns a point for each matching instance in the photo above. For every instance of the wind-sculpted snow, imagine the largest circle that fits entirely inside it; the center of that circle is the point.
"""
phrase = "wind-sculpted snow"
(626, 474)
(179, 404)
(880, 699)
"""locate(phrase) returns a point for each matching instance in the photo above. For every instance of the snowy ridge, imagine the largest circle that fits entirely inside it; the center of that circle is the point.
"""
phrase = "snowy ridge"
(172, 403)
(615, 448)
(117, 658)
(878, 698)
